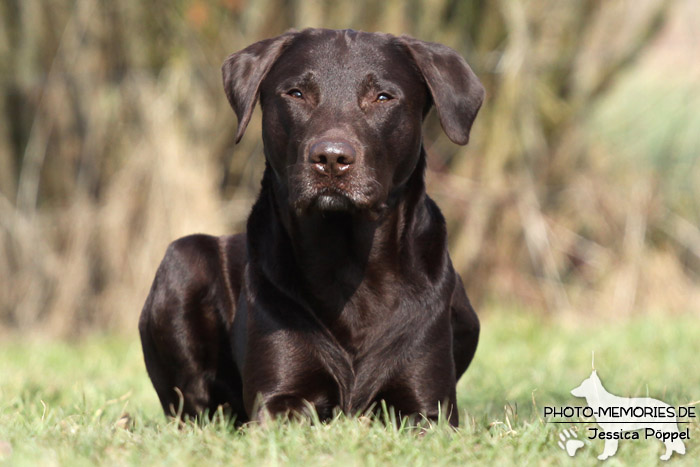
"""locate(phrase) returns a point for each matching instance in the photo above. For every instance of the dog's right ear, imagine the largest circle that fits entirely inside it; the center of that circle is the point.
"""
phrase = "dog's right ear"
(244, 70)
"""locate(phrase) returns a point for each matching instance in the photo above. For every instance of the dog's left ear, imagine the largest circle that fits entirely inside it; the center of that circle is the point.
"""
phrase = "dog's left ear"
(457, 92)
(243, 72)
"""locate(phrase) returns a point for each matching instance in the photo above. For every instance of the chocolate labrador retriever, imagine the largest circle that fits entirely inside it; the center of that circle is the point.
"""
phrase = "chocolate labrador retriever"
(342, 293)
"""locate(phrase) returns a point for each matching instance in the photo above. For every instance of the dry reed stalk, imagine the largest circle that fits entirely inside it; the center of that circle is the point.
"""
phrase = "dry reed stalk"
(119, 140)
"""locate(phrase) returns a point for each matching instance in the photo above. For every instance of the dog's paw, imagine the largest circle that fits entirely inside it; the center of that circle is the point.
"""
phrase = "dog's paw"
(569, 443)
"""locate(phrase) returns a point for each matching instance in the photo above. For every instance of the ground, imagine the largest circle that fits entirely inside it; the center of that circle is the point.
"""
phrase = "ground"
(90, 401)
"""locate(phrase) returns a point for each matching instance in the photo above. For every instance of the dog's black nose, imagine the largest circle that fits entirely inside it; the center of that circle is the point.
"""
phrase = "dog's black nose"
(332, 158)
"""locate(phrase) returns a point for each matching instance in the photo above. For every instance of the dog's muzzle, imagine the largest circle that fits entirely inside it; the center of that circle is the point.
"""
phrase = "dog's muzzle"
(331, 176)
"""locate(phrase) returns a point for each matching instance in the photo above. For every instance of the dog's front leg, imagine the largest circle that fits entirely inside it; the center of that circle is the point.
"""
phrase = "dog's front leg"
(289, 406)
(283, 374)
(302, 402)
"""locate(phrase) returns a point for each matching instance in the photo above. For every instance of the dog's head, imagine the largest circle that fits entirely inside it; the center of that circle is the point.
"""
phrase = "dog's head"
(588, 386)
(343, 110)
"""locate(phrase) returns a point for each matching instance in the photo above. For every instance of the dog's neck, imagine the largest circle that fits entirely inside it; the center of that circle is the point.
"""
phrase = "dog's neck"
(344, 248)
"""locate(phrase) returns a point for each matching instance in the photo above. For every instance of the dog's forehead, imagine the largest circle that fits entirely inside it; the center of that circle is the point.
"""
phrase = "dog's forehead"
(346, 56)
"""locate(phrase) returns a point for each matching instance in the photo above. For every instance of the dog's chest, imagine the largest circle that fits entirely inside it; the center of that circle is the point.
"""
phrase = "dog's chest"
(362, 317)
(350, 328)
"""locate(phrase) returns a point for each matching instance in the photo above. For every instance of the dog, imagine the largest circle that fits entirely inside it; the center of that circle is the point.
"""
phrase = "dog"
(341, 295)
(634, 413)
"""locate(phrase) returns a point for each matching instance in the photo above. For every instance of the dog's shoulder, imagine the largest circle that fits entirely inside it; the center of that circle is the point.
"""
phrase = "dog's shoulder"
(191, 255)
(198, 258)
(196, 268)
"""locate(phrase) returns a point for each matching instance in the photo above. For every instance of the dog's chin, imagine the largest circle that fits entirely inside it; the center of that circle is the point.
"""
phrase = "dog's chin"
(305, 198)
(333, 203)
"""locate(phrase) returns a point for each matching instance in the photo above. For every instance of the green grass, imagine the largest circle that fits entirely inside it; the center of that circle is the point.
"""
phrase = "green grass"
(62, 403)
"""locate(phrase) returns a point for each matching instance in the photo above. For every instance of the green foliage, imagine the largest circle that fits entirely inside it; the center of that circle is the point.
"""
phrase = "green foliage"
(90, 402)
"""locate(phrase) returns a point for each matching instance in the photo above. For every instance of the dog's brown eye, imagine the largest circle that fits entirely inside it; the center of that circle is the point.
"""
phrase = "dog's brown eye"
(384, 97)
(295, 93)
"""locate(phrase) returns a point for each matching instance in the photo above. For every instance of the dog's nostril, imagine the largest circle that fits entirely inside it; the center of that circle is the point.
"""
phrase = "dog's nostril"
(332, 157)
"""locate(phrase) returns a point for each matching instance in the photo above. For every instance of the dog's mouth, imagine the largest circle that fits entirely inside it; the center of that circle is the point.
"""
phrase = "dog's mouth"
(333, 195)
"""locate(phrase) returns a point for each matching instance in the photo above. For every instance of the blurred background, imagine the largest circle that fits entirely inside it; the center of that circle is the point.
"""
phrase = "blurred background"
(578, 194)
